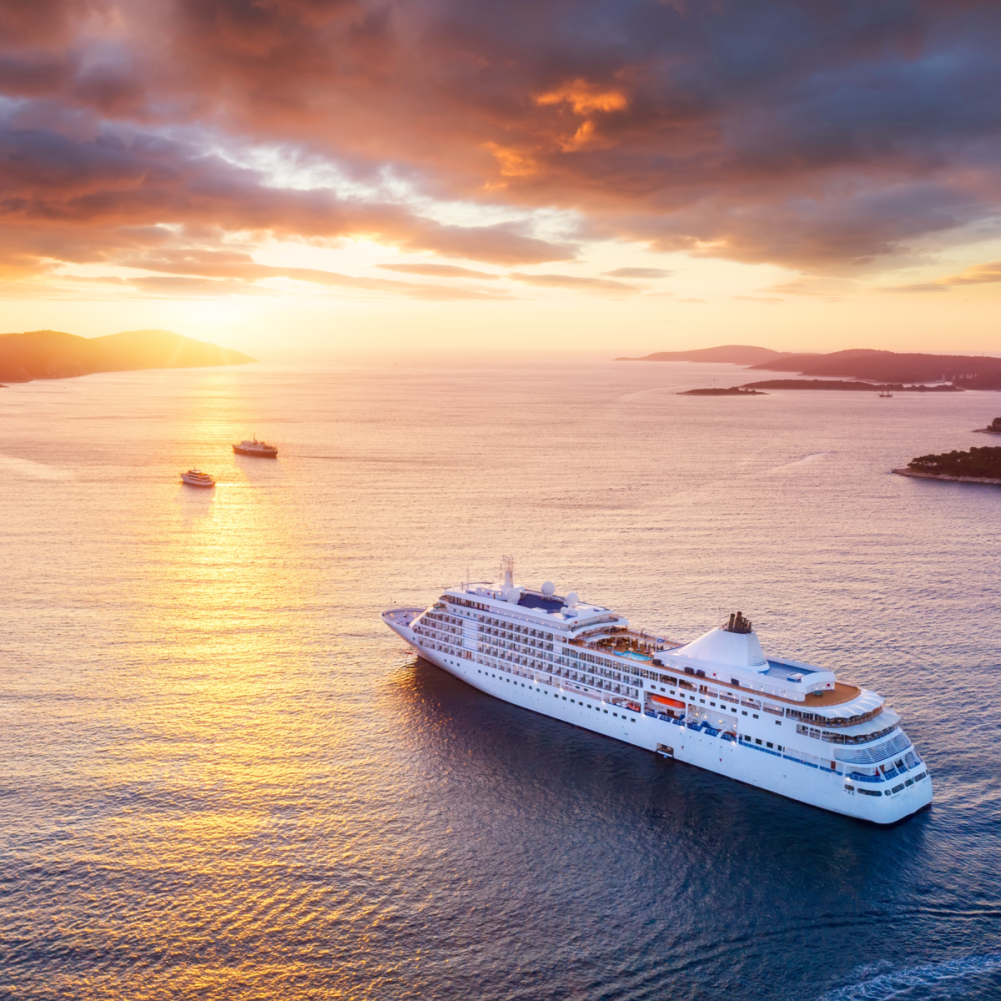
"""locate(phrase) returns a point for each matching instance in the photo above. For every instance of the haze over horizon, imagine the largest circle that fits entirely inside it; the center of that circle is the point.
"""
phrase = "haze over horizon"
(308, 178)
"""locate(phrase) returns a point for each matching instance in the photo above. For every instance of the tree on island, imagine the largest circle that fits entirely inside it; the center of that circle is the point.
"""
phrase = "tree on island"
(984, 463)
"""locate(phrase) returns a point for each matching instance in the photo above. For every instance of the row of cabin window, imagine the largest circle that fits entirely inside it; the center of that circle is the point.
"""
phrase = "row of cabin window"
(512, 628)
(556, 695)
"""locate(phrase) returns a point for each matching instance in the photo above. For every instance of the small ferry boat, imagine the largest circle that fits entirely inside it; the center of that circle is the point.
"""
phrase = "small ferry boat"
(717, 702)
(885, 395)
(251, 446)
(196, 478)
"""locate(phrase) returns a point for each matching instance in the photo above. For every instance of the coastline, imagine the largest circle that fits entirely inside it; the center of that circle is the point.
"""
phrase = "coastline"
(945, 476)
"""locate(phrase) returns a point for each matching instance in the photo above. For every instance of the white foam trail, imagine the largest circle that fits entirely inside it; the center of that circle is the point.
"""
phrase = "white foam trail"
(33, 470)
(892, 985)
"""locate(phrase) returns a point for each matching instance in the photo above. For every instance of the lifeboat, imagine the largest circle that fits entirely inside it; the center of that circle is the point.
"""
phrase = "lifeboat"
(664, 701)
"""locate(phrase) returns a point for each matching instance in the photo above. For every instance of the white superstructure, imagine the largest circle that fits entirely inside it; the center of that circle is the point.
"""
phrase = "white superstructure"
(717, 702)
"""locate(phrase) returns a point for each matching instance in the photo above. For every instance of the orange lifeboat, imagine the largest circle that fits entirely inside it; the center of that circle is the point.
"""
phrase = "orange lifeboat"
(662, 700)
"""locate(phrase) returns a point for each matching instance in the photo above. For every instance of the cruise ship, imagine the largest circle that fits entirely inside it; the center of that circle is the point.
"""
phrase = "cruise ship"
(717, 702)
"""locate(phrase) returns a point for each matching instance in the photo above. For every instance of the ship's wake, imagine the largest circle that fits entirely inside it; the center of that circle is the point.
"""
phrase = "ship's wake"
(915, 981)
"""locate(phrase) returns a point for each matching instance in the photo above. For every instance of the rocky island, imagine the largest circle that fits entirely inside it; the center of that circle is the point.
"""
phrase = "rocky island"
(53, 354)
(979, 465)
(732, 391)
(993, 428)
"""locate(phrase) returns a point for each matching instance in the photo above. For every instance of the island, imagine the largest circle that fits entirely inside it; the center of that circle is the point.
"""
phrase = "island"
(890, 368)
(829, 385)
(979, 465)
(853, 386)
(963, 371)
(732, 391)
(993, 428)
(732, 354)
(53, 354)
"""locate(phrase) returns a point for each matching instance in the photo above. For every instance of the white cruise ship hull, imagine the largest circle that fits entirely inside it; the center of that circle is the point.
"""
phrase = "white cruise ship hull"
(752, 765)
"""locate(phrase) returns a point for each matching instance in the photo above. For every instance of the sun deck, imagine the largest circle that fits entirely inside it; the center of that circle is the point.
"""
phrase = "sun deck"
(631, 644)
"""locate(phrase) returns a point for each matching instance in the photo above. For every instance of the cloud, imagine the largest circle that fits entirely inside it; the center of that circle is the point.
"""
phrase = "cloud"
(199, 265)
(437, 270)
(757, 298)
(574, 283)
(760, 133)
(916, 287)
(979, 274)
(822, 288)
(106, 197)
(638, 273)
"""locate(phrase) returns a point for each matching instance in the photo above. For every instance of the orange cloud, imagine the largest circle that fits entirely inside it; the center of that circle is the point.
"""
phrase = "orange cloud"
(979, 274)
(437, 270)
(512, 163)
(585, 98)
(574, 282)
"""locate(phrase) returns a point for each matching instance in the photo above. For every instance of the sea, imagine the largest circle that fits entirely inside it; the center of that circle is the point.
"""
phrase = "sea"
(222, 777)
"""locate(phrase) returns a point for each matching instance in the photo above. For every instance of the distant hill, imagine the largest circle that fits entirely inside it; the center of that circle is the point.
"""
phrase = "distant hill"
(881, 367)
(735, 354)
(965, 371)
(52, 354)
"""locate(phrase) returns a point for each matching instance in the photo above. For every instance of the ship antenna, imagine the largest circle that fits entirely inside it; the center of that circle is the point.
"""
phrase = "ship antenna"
(507, 568)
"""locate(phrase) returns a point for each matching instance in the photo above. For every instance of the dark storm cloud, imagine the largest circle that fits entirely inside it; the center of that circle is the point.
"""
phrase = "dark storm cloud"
(819, 134)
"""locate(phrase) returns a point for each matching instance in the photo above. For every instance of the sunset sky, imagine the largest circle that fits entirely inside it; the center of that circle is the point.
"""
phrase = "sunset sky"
(303, 178)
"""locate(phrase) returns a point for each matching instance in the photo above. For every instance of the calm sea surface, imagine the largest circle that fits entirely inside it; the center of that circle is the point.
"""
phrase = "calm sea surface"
(222, 778)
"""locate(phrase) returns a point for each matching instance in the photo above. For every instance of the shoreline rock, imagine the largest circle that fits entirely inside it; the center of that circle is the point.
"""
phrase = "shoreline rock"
(732, 391)
(918, 474)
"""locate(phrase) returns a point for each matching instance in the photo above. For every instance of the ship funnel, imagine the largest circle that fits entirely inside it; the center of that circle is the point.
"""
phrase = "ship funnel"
(735, 645)
(738, 624)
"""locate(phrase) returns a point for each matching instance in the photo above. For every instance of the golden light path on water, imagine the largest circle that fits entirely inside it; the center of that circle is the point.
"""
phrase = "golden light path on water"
(224, 778)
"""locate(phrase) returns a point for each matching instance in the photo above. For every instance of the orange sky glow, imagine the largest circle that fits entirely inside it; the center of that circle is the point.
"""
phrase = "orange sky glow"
(302, 179)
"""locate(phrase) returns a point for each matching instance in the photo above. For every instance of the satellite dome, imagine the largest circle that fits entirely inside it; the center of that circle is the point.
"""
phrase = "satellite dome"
(549, 589)
(572, 598)
(513, 595)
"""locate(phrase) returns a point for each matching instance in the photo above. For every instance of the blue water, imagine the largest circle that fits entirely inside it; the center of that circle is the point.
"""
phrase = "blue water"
(224, 778)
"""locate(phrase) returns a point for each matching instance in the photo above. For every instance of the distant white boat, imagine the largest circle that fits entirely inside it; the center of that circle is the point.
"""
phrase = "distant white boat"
(251, 446)
(196, 478)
